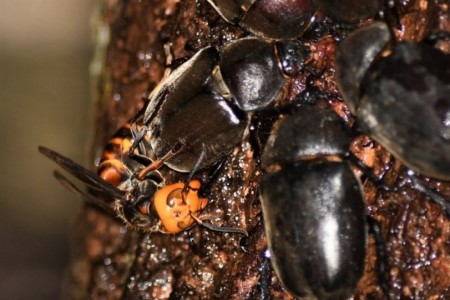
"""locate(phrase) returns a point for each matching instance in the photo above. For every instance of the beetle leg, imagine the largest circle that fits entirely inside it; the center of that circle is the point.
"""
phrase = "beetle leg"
(142, 159)
(430, 193)
(265, 277)
(211, 176)
(217, 228)
(193, 171)
(138, 136)
(418, 184)
(376, 179)
(159, 163)
(382, 263)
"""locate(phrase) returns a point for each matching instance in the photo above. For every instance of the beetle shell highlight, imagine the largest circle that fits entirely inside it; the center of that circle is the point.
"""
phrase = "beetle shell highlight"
(249, 68)
(313, 207)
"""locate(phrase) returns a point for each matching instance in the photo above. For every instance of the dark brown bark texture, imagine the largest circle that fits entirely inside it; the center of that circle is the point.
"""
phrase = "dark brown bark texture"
(110, 261)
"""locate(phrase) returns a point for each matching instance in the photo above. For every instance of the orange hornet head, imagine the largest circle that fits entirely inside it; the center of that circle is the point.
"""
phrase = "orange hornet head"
(174, 210)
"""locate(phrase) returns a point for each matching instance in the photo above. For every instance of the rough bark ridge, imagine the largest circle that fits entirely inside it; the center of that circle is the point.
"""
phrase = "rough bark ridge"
(112, 262)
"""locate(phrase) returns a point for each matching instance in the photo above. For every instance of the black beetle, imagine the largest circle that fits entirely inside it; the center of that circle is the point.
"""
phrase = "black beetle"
(313, 205)
(402, 100)
(271, 19)
(249, 68)
(184, 110)
(351, 66)
(206, 100)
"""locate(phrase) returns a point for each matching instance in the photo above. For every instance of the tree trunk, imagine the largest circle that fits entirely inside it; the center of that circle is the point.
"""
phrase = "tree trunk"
(110, 261)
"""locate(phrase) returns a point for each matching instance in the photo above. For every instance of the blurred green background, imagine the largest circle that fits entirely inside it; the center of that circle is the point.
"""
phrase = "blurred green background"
(44, 98)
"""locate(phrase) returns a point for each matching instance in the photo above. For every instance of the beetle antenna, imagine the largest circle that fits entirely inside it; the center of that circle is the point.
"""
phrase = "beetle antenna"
(382, 264)
(211, 177)
(219, 229)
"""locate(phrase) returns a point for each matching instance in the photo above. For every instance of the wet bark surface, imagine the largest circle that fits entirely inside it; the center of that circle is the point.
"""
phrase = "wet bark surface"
(110, 261)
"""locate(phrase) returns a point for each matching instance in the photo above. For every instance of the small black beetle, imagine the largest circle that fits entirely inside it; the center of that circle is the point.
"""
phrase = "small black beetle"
(254, 71)
(313, 206)
(403, 100)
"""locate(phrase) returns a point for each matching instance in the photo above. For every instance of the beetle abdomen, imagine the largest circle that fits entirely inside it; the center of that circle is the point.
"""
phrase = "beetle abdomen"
(314, 217)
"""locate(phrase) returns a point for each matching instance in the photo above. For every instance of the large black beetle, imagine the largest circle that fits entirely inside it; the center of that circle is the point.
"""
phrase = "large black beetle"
(313, 205)
(401, 100)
